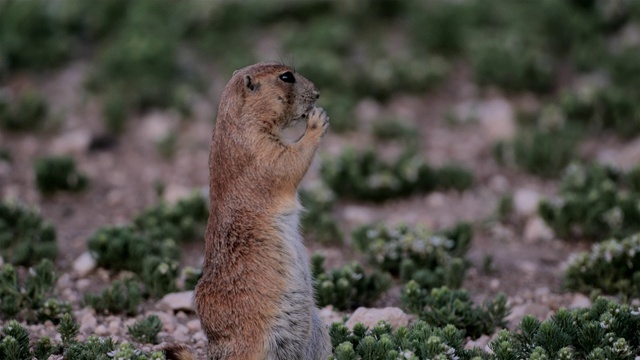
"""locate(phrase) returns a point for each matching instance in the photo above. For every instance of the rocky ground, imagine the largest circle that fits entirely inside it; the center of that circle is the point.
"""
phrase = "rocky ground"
(527, 259)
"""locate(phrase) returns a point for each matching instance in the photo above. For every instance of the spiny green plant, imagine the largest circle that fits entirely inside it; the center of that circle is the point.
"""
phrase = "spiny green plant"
(611, 267)
(317, 219)
(540, 152)
(431, 259)
(123, 296)
(30, 299)
(389, 128)
(594, 202)
(27, 112)
(25, 238)
(418, 341)
(138, 66)
(606, 330)
(155, 232)
(191, 277)
(69, 329)
(363, 176)
(512, 64)
(122, 248)
(58, 173)
(442, 306)
(608, 108)
(30, 37)
(347, 287)
(146, 330)
(159, 275)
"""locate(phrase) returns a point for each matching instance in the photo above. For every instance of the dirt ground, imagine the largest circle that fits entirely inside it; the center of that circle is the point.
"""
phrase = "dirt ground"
(124, 174)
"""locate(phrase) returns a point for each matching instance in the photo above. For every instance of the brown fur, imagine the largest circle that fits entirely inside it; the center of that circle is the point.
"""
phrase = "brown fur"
(254, 176)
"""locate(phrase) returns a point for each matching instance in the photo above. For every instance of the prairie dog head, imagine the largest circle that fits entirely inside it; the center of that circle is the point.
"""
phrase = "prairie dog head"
(271, 95)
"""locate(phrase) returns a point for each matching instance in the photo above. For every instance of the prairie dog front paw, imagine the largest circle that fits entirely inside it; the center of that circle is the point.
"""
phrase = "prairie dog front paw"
(318, 120)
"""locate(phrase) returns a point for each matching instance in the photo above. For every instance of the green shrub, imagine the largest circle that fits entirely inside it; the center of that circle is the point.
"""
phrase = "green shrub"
(30, 37)
(595, 202)
(611, 267)
(191, 277)
(340, 108)
(606, 330)
(597, 109)
(539, 151)
(140, 60)
(317, 219)
(15, 345)
(419, 341)
(25, 238)
(442, 306)
(512, 65)
(69, 329)
(159, 275)
(394, 129)
(155, 232)
(440, 26)
(348, 287)
(27, 112)
(363, 176)
(123, 296)
(59, 173)
(30, 298)
(185, 220)
(146, 330)
(5, 155)
(431, 259)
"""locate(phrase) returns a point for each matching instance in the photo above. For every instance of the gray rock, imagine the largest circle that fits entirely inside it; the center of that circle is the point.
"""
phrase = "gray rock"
(84, 264)
(580, 301)
(329, 316)
(88, 322)
(525, 202)
(540, 311)
(497, 119)
(536, 229)
(480, 343)
(371, 317)
(177, 301)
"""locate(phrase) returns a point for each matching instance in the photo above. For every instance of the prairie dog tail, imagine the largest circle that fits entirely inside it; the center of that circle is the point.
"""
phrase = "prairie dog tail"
(177, 352)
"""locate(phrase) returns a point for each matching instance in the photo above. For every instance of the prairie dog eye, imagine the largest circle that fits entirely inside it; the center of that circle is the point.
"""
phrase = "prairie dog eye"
(287, 77)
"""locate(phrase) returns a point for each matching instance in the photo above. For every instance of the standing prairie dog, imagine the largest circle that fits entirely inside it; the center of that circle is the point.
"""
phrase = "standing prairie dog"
(255, 298)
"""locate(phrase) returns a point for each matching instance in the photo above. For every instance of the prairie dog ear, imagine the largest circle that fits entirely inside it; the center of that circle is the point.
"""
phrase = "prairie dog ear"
(249, 83)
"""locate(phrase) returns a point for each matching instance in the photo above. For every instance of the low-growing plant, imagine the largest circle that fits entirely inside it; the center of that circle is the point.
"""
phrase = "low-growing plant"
(5, 155)
(191, 277)
(512, 64)
(30, 298)
(30, 37)
(540, 152)
(159, 275)
(363, 176)
(348, 287)
(25, 238)
(418, 341)
(122, 248)
(596, 109)
(442, 306)
(69, 329)
(15, 345)
(27, 112)
(317, 219)
(612, 267)
(146, 330)
(431, 259)
(58, 173)
(394, 129)
(606, 330)
(123, 296)
(594, 202)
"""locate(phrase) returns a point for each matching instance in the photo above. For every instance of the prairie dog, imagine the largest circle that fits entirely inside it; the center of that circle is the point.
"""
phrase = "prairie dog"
(255, 298)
